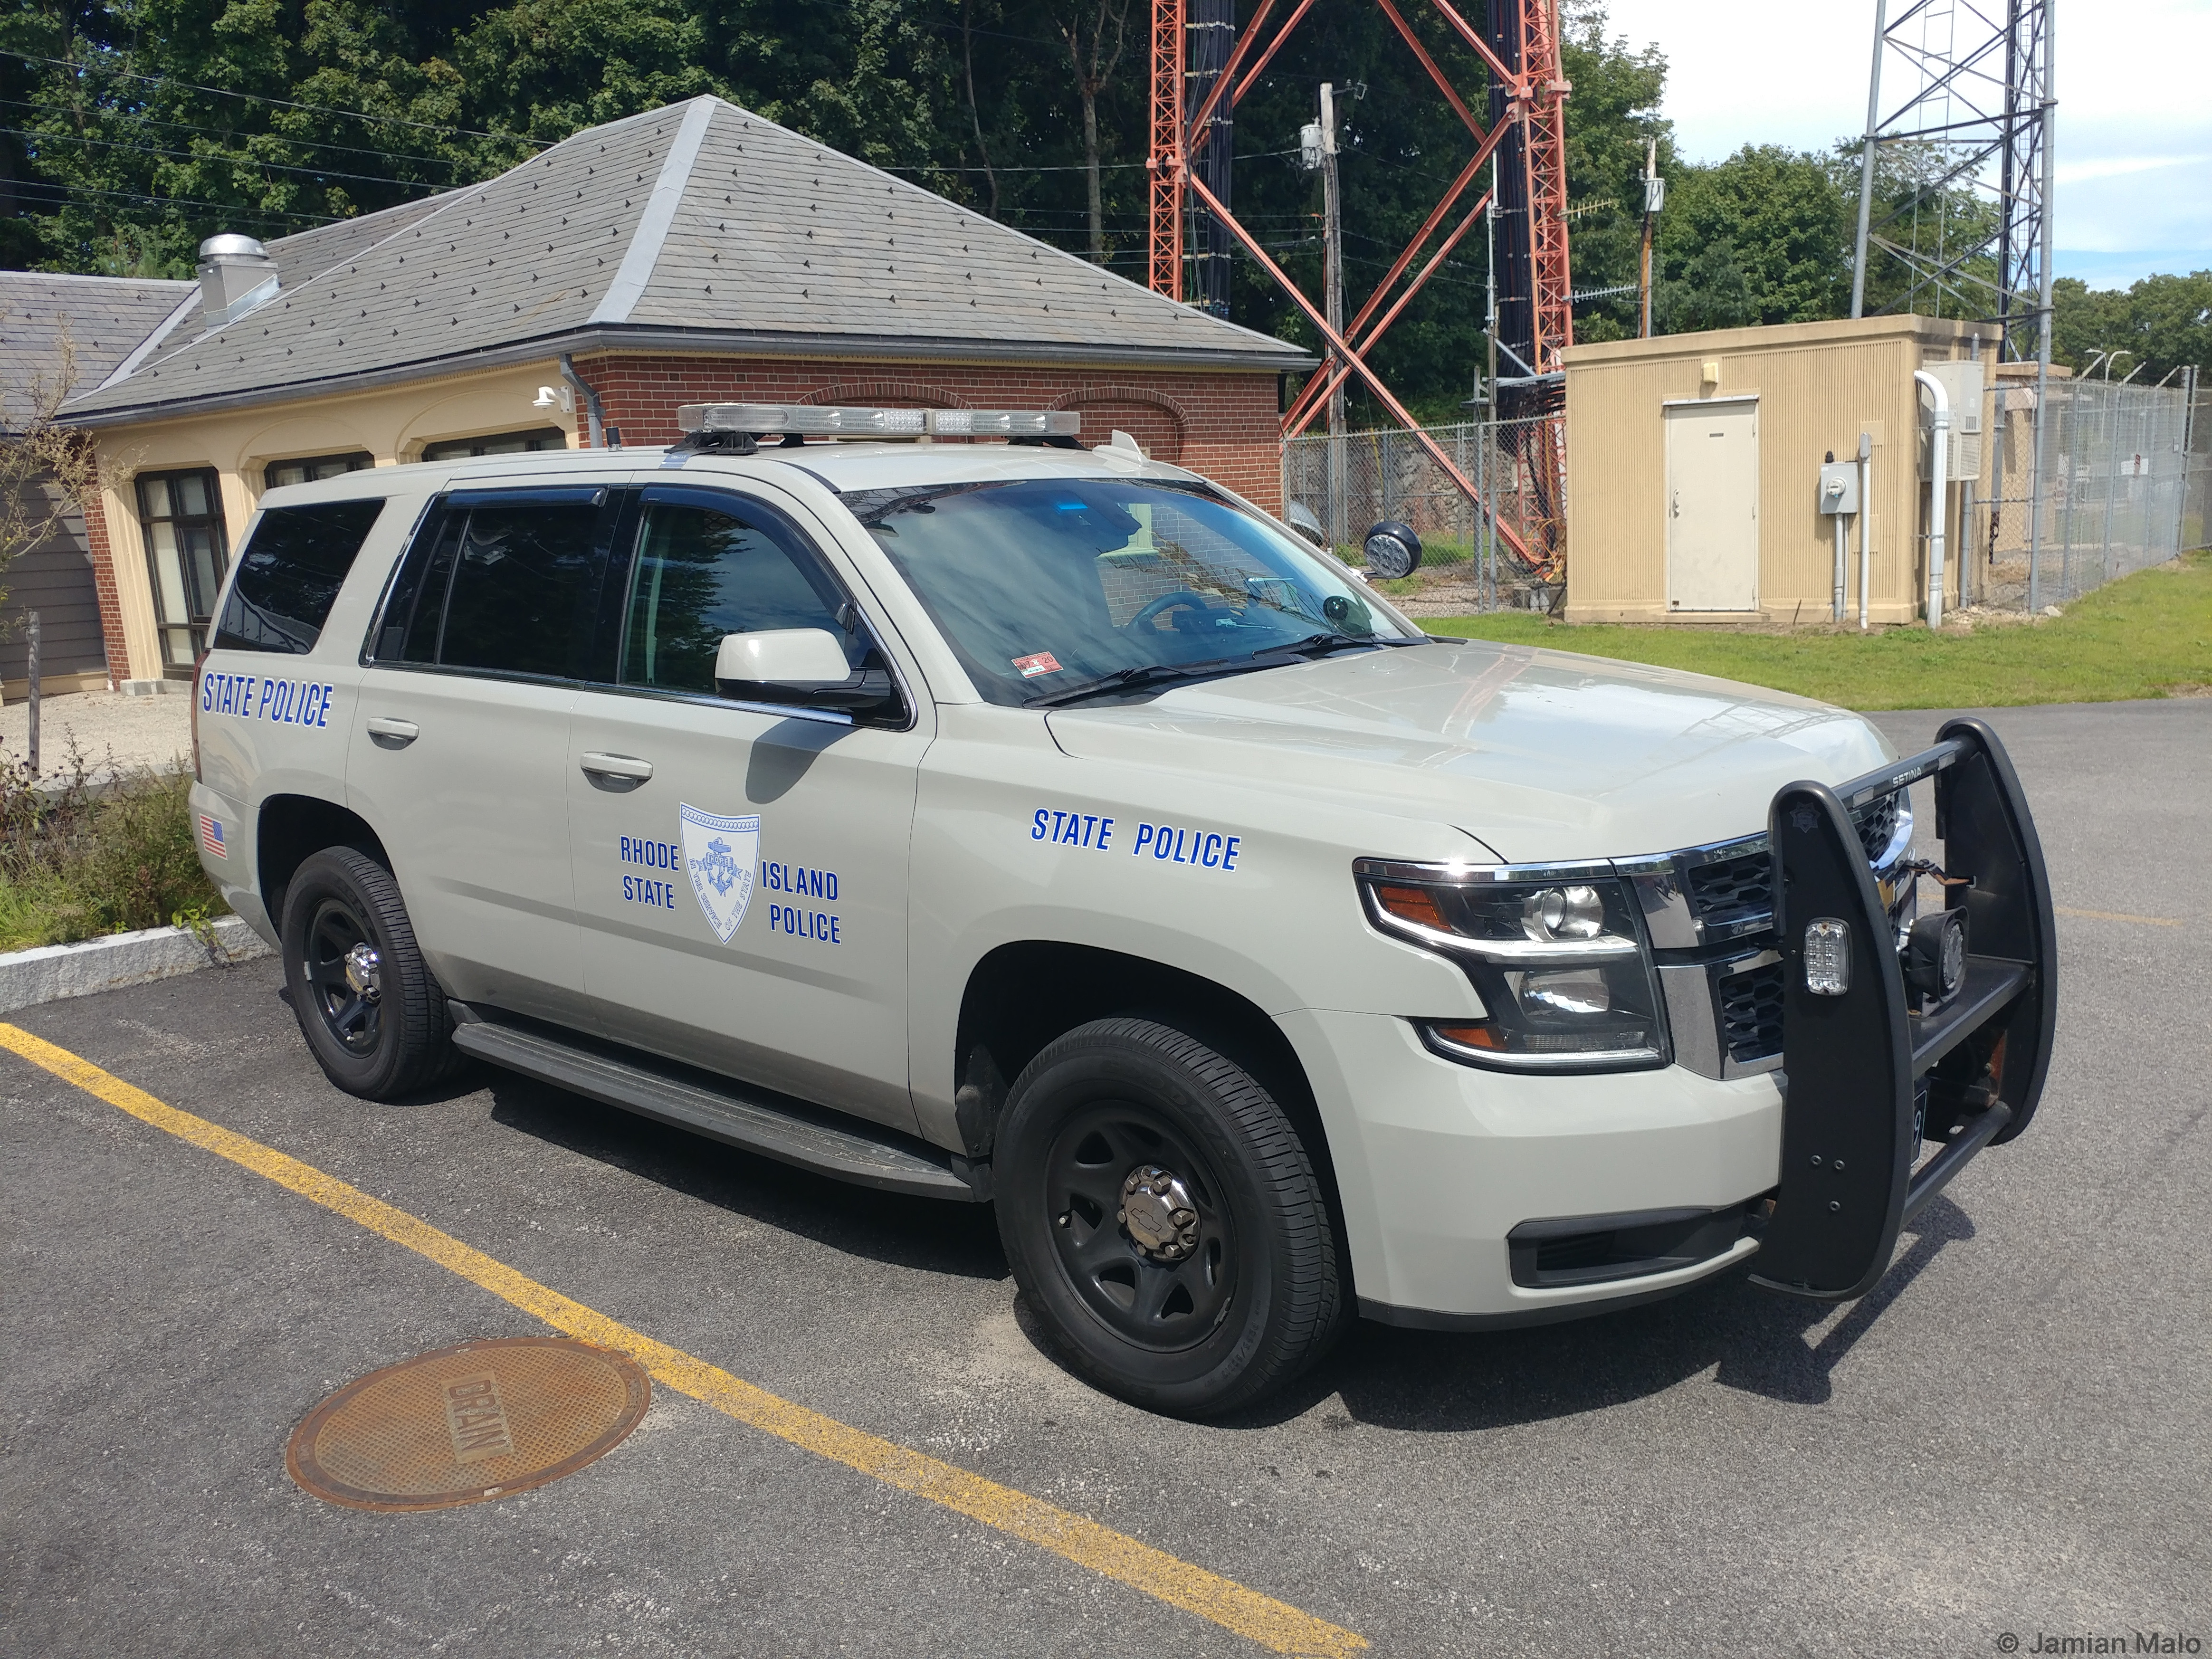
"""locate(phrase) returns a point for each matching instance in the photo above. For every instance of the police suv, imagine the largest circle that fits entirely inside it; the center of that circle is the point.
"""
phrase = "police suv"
(1010, 822)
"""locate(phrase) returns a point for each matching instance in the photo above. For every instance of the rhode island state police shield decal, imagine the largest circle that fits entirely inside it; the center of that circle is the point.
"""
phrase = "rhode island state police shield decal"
(720, 853)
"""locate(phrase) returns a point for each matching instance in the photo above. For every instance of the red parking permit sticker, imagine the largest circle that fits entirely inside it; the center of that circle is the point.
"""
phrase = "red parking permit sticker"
(1043, 663)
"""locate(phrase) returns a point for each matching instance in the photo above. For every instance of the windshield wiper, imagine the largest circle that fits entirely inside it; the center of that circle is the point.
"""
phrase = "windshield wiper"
(1318, 644)
(1136, 679)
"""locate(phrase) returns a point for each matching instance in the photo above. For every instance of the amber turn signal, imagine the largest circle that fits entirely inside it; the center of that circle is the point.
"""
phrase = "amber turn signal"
(1415, 904)
(1482, 1035)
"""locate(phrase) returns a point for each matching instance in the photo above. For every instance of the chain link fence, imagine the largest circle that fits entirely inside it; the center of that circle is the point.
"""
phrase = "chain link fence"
(2123, 485)
(1334, 487)
(2196, 476)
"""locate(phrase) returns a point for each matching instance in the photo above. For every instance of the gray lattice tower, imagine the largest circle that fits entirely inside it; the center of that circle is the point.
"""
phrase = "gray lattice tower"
(1959, 113)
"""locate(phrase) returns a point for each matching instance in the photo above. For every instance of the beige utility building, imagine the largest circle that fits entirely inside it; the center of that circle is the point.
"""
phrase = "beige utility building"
(1694, 463)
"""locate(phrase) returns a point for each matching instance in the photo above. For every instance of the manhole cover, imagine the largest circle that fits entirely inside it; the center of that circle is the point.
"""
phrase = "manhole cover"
(463, 1424)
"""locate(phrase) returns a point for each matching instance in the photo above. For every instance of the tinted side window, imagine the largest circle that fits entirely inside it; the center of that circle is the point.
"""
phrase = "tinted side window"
(701, 574)
(501, 586)
(289, 573)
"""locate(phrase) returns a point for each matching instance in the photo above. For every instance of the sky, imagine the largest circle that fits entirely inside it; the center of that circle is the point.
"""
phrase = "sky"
(2134, 130)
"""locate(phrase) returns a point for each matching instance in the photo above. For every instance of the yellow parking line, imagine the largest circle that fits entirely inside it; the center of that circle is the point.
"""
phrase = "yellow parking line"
(2117, 916)
(1273, 1623)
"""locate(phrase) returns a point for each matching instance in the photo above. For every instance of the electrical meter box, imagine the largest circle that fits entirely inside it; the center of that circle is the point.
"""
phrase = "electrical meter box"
(1839, 487)
(1962, 382)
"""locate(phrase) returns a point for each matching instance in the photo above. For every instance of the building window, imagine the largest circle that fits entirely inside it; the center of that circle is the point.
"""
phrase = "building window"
(186, 550)
(309, 468)
(498, 443)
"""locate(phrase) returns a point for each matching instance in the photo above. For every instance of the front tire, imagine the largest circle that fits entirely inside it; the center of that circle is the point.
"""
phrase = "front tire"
(372, 1013)
(1161, 1216)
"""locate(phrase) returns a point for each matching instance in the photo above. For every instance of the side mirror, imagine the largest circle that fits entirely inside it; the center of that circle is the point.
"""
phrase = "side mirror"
(803, 666)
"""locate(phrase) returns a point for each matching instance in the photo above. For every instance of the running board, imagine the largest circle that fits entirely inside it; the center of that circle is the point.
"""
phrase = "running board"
(759, 1123)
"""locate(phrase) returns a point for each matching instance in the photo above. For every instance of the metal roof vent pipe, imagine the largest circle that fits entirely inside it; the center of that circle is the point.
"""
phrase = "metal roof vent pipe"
(236, 274)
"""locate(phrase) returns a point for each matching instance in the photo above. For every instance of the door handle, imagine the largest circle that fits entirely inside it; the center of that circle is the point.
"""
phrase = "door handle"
(619, 768)
(390, 734)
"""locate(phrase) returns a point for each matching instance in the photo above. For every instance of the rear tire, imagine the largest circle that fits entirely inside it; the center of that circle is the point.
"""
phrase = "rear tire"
(373, 1015)
(1162, 1217)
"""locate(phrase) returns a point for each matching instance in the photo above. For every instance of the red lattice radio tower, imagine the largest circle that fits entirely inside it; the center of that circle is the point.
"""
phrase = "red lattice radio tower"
(1523, 59)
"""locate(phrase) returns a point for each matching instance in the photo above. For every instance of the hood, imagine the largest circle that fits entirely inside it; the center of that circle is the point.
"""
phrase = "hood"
(1540, 755)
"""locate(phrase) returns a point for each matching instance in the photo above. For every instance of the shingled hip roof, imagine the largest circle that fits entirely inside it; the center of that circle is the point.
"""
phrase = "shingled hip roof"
(84, 326)
(698, 226)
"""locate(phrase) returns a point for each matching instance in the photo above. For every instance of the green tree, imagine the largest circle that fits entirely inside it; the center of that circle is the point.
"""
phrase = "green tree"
(2160, 324)
(1763, 236)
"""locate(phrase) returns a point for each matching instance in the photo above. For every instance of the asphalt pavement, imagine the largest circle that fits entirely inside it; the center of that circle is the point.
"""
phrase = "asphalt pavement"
(2012, 1437)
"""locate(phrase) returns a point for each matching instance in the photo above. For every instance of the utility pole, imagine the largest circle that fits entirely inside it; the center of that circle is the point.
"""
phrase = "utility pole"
(1490, 266)
(1332, 245)
(1333, 305)
(1655, 198)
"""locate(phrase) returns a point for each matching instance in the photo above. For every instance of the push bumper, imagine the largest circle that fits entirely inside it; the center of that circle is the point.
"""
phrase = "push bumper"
(1875, 1069)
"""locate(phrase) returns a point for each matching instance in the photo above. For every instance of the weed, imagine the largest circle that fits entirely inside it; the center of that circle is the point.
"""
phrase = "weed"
(80, 860)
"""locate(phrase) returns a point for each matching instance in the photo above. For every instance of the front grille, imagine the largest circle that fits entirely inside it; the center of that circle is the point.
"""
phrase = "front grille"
(1876, 822)
(1734, 889)
(1751, 1013)
(1739, 889)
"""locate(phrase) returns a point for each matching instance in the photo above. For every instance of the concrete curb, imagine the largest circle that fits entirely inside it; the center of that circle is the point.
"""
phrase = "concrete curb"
(54, 971)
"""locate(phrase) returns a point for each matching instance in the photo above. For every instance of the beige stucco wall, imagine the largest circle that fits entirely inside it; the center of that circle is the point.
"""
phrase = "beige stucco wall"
(393, 424)
(1818, 385)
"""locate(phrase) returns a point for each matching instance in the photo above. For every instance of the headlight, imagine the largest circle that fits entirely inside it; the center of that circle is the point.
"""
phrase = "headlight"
(1565, 980)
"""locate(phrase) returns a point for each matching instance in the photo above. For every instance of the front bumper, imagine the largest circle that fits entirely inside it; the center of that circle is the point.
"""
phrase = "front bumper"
(1437, 1164)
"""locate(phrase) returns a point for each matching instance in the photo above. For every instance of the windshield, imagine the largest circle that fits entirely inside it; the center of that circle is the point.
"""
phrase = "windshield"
(1052, 590)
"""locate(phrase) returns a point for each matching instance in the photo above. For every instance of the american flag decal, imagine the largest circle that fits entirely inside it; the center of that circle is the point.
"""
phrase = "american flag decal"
(211, 838)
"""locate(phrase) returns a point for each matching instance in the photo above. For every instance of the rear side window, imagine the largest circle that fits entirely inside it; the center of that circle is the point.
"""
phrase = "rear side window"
(289, 573)
(499, 587)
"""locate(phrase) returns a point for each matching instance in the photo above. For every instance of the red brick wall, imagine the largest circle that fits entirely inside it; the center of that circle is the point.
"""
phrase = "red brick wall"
(102, 548)
(1223, 425)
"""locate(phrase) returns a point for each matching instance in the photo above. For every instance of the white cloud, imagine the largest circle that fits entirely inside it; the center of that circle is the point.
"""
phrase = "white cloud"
(2135, 133)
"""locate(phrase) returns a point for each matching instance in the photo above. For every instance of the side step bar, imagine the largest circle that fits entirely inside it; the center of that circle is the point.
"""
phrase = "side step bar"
(758, 1121)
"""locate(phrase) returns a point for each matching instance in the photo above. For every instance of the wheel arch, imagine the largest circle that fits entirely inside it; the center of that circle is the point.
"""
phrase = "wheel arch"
(1021, 995)
(290, 829)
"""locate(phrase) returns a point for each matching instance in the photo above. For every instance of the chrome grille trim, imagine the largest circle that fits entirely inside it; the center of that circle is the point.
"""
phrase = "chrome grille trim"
(1664, 881)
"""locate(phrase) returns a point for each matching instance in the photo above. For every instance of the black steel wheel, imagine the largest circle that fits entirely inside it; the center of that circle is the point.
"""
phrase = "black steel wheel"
(371, 1012)
(1164, 1219)
(1139, 1226)
(345, 977)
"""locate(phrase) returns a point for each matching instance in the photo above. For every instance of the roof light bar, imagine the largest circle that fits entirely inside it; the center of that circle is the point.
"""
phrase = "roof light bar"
(1004, 422)
(810, 421)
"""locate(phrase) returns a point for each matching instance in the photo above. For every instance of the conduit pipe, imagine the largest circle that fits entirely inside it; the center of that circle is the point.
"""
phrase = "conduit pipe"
(1939, 499)
(593, 413)
(1866, 522)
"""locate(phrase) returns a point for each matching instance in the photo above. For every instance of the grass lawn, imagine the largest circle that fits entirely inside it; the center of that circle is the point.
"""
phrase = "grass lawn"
(2150, 636)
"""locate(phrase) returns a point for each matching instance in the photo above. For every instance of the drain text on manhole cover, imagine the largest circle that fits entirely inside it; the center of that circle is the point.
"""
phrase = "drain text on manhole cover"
(467, 1423)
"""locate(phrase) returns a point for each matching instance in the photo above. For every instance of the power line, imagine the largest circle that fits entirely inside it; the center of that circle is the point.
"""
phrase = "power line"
(251, 97)
(143, 119)
(174, 201)
(235, 161)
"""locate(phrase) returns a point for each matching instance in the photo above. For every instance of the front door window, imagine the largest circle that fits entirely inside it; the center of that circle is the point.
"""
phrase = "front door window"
(187, 550)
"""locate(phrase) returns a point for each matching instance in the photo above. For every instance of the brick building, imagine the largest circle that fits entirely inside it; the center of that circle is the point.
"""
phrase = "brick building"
(690, 254)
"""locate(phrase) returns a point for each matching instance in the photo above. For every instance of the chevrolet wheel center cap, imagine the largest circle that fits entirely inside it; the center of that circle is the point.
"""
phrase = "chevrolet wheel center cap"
(362, 964)
(1158, 1212)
